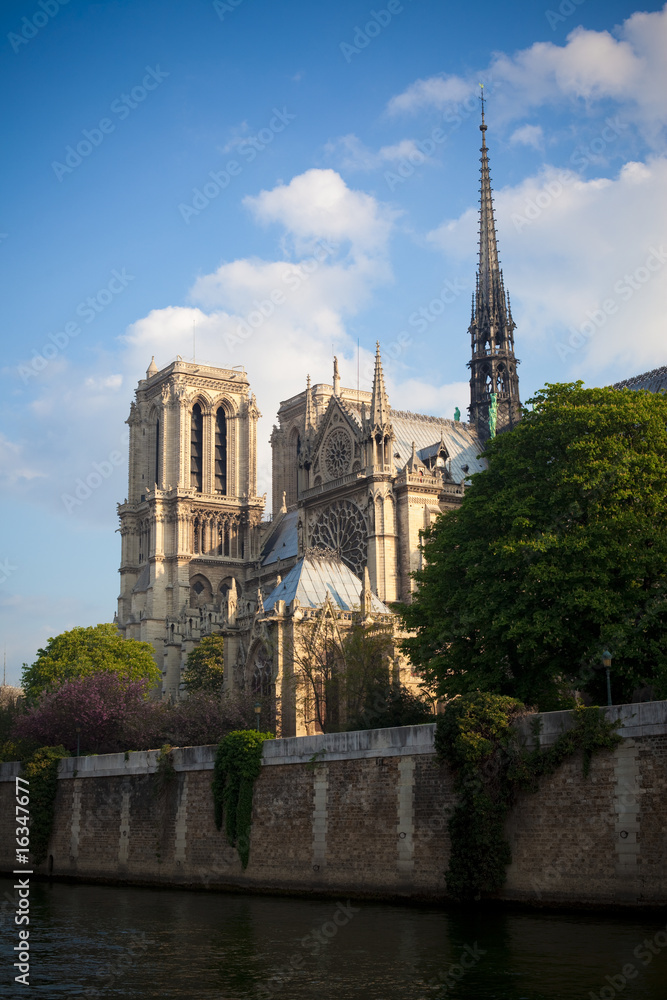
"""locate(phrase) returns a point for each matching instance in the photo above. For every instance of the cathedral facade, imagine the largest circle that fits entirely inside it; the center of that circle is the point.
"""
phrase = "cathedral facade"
(354, 484)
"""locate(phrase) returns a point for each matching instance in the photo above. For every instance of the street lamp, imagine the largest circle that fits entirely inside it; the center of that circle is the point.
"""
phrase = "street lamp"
(258, 711)
(606, 663)
(78, 740)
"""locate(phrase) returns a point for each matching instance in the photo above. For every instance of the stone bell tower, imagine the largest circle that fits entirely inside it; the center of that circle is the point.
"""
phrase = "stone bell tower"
(190, 523)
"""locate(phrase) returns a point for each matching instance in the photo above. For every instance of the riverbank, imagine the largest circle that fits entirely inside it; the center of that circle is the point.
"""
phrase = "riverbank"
(364, 815)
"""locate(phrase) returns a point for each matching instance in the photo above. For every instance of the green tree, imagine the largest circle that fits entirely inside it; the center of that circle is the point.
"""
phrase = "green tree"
(85, 651)
(346, 675)
(558, 550)
(204, 669)
(366, 653)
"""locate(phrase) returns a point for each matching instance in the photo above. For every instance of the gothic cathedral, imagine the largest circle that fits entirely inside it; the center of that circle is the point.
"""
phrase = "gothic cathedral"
(354, 484)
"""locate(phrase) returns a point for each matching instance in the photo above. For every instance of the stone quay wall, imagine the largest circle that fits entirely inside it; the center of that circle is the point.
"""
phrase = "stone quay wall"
(364, 814)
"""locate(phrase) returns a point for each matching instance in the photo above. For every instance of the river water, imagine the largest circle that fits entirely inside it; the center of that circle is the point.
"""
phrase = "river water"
(99, 941)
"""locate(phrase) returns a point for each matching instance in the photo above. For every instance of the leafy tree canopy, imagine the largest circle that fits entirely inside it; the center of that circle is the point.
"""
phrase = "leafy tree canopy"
(204, 668)
(85, 651)
(558, 550)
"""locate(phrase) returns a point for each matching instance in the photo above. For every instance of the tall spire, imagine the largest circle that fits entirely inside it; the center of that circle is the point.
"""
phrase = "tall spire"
(379, 415)
(493, 365)
(489, 269)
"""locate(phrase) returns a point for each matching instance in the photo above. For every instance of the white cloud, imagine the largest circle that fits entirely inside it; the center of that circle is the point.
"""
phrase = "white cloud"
(318, 204)
(104, 382)
(352, 154)
(436, 91)
(13, 466)
(437, 400)
(528, 135)
(591, 66)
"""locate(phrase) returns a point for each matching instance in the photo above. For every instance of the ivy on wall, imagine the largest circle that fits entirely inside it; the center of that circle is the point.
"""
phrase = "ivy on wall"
(238, 761)
(477, 737)
(41, 770)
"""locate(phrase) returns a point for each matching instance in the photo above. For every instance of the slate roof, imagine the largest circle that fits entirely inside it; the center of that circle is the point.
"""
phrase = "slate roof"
(653, 381)
(317, 575)
(461, 440)
(143, 580)
(282, 543)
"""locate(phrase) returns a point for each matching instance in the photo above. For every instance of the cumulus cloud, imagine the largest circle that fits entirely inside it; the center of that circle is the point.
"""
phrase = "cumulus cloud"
(528, 135)
(628, 67)
(318, 204)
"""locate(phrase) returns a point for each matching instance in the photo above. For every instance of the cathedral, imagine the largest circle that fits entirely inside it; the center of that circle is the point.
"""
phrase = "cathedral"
(354, 484)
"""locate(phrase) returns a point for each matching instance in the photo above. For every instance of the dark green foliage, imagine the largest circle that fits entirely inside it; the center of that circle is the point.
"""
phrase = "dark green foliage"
(238, 762)
(204, 670)
(84, 651)
(392, 705)
(478, 738)
(41, 770)
(558, 550)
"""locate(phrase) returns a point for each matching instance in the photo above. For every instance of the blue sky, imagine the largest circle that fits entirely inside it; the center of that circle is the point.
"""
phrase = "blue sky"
(344, 139)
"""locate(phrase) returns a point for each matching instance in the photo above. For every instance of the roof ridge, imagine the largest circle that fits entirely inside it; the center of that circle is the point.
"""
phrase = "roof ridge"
(428, 419)
(640, 378)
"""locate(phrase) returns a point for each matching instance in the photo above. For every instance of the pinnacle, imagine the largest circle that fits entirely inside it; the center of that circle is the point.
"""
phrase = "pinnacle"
(310, 415)
(379, 402)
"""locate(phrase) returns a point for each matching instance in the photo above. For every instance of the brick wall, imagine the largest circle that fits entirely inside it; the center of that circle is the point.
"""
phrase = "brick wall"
(367, 816)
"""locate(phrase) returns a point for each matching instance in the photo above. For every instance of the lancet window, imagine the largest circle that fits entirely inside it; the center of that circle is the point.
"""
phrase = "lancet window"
(196, 449)
(157, 453)
(220, 451)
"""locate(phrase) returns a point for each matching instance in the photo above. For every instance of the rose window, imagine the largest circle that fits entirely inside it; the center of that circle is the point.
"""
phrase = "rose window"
(342, 527)
(338, 453)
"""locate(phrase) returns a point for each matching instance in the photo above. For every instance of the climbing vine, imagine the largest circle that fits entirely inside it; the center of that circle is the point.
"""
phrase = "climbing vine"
(41, 770)
(165, 772)
(477, 737)
(237, 763)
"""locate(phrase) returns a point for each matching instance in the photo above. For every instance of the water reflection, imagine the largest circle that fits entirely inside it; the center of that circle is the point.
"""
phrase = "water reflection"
(144, 943)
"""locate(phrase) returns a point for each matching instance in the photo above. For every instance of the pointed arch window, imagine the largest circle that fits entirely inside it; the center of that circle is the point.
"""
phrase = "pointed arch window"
(220, 451)
(196, 448)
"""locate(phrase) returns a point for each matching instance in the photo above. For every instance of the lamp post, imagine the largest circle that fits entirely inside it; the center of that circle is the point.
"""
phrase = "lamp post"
(78, 740)
(258, 712)
(606, 663)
